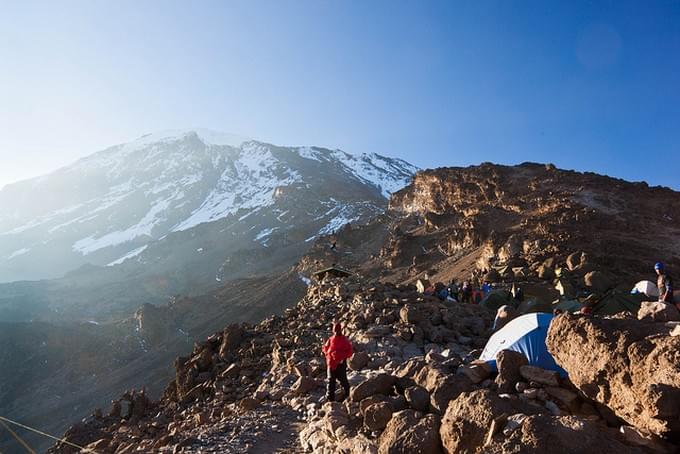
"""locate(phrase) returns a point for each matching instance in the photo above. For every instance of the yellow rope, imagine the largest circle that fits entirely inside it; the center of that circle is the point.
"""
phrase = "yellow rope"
(18, 438)
(2, 418)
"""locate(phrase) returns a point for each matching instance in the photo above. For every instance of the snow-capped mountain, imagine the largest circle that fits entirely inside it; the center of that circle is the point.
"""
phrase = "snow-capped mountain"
(186, 197)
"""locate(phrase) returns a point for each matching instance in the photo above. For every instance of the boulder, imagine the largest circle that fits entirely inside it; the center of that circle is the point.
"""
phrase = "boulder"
(542, 434)
(376, 416)
(509, 363)
(406, 433)
(248, 404)
(304, 385)
(632, 368)
(477, 372)
(539, 375)
(574, 260)
(358, 361)
(657, 311)
(598, 282)
(378, 384)
(447, 389)
(417, 397)
(410, 314)
(231, 339)
(468, 418)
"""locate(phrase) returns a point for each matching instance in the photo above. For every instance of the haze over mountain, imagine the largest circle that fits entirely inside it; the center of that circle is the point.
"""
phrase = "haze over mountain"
(128, 203)
(146, 247)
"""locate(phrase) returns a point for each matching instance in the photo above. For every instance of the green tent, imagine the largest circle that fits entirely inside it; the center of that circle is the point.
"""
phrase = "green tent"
(496, 299)
(616, 302)
(567, 306)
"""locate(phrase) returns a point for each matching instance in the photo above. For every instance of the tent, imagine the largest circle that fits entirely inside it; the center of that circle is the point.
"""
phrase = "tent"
(333, 271)
(567, 305)
(496, 299)
(648, 288)
(525, 334)
(615, 302)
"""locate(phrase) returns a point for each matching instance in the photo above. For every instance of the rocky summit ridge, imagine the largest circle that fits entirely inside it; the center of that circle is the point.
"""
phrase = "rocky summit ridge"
(416, 384)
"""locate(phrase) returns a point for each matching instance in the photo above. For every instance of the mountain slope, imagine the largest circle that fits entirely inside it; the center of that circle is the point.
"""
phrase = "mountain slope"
(110, 207)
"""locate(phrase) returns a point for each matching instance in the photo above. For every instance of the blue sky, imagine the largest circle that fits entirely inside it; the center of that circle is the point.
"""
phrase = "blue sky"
(586, 85)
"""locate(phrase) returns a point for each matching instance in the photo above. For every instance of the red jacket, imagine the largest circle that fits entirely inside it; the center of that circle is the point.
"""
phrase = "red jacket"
(337, 349)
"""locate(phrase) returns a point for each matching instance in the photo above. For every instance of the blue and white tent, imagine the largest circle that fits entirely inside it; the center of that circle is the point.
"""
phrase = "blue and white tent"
(526, 334)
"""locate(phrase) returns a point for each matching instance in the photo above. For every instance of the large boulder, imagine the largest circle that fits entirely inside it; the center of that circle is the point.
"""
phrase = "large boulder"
(564, 434)
(376, 416)
(358, 361)
(417, 398)
(406, 433)
(597, 281)
(632, 368)
(657, 311)
(468, 418)
(447, 389)
(378, 384)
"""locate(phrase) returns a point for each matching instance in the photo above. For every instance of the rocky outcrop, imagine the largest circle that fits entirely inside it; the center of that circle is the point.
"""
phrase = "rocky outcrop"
(631, 367)
(468, 418)
(409, 431)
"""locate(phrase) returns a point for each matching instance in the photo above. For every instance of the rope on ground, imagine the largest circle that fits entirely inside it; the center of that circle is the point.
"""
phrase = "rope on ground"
(39, 432)
(17, 438)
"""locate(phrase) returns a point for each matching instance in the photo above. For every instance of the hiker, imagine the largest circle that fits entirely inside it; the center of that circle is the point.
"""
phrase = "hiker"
(664, 283)
(334, 245)
(338, 349)
(466, 293)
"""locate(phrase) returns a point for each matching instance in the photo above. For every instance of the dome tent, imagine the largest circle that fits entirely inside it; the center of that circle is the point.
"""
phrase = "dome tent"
(648, 288)
(526, 334)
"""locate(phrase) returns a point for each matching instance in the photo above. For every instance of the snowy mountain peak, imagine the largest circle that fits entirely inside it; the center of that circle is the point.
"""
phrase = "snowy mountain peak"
(114, 203)
(207, 136)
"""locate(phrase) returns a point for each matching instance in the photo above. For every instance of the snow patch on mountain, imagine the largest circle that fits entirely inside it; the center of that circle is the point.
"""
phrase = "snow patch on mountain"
(143, 228)
(129, 255)
(248, 184)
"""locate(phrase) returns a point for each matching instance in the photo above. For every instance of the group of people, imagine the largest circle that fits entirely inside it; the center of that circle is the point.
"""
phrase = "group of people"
(338, 348)
(465, 293)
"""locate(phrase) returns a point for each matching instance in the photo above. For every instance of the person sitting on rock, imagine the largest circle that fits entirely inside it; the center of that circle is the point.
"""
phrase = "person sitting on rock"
(338, 349)
(664, 283)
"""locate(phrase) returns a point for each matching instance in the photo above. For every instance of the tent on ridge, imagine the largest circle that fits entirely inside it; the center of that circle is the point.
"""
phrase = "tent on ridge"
(648, 288)
(526, 334)
(567, 305)
(616, 302)
(498, 298)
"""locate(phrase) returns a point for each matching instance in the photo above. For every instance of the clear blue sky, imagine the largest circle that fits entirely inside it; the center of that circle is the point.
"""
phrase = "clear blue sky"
(583, 84)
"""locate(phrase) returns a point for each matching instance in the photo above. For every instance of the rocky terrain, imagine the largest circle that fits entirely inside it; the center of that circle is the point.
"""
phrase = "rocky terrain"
(152, 245)
(416, 383)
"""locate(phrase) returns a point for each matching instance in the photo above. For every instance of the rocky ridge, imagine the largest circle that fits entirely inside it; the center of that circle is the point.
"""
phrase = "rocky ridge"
(415, 384)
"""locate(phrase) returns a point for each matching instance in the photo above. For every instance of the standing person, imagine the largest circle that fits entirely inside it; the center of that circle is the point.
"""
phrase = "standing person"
(664, 283)
(466, 293)
(338, 349)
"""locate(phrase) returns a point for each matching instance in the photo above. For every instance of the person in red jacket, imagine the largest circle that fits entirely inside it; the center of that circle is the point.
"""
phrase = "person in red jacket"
(338, 349)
